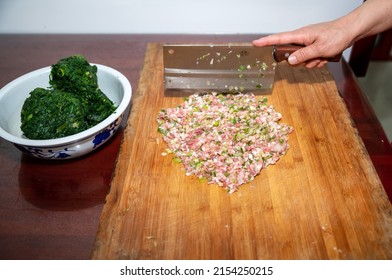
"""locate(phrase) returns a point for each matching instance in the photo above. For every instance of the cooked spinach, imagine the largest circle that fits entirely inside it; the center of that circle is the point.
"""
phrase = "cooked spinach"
(50, 112)
(74, 74)
(71, 104)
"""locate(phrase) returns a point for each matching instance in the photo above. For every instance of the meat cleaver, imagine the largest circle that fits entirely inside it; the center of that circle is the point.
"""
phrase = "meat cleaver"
(225, 68)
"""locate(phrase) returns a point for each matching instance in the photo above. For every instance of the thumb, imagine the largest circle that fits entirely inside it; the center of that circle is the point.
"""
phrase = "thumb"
(304, 54)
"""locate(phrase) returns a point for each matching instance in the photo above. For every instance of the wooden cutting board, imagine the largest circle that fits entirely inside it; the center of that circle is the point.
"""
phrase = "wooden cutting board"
(322, 200)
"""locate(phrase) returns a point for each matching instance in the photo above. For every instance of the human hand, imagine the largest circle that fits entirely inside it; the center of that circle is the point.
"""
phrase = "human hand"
(321, 41)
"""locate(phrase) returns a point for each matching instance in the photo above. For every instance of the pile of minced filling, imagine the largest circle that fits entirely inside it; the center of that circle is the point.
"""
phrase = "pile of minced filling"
(224, 138)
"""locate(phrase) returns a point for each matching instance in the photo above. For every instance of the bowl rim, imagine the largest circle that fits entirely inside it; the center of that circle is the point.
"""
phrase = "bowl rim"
(125, 101)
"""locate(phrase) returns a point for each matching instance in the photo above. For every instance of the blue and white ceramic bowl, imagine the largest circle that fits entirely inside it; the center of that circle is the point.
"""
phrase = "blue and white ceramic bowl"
(12, 96)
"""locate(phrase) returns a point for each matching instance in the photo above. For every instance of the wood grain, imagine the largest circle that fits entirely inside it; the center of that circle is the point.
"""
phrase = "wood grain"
(322, 200)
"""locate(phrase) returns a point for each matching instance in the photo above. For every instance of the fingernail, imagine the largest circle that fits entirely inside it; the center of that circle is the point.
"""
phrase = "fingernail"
(292, 59)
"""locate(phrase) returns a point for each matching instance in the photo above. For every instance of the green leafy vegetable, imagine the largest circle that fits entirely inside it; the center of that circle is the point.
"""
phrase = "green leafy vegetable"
(71, 104)
(74, 74)
(50, 112)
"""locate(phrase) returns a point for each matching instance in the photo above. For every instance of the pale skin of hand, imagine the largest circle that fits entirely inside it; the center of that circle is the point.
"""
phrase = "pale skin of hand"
(328, 39)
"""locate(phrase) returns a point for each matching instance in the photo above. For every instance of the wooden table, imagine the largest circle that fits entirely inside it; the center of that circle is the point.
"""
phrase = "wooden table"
(51, 210)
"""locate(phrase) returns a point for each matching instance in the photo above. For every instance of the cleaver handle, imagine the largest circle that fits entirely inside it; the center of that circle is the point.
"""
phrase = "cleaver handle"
(282, 52)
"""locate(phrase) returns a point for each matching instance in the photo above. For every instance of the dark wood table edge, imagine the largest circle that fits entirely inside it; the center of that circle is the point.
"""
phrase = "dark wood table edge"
(365, 119)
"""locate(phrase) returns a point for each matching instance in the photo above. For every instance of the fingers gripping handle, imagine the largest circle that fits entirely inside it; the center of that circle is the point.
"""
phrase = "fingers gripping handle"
(282, 52)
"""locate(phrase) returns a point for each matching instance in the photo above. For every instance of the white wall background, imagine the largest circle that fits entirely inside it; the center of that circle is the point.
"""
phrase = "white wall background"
(166, 16)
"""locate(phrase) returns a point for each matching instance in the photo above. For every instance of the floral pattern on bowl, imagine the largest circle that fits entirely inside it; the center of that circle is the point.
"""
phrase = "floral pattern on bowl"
(73, 150)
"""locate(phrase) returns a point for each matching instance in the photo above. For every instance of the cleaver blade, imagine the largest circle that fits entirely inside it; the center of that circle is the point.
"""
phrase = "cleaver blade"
(225, 68)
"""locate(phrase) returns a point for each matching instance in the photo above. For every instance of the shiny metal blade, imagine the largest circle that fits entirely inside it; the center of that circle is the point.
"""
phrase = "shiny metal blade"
(221, 68)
